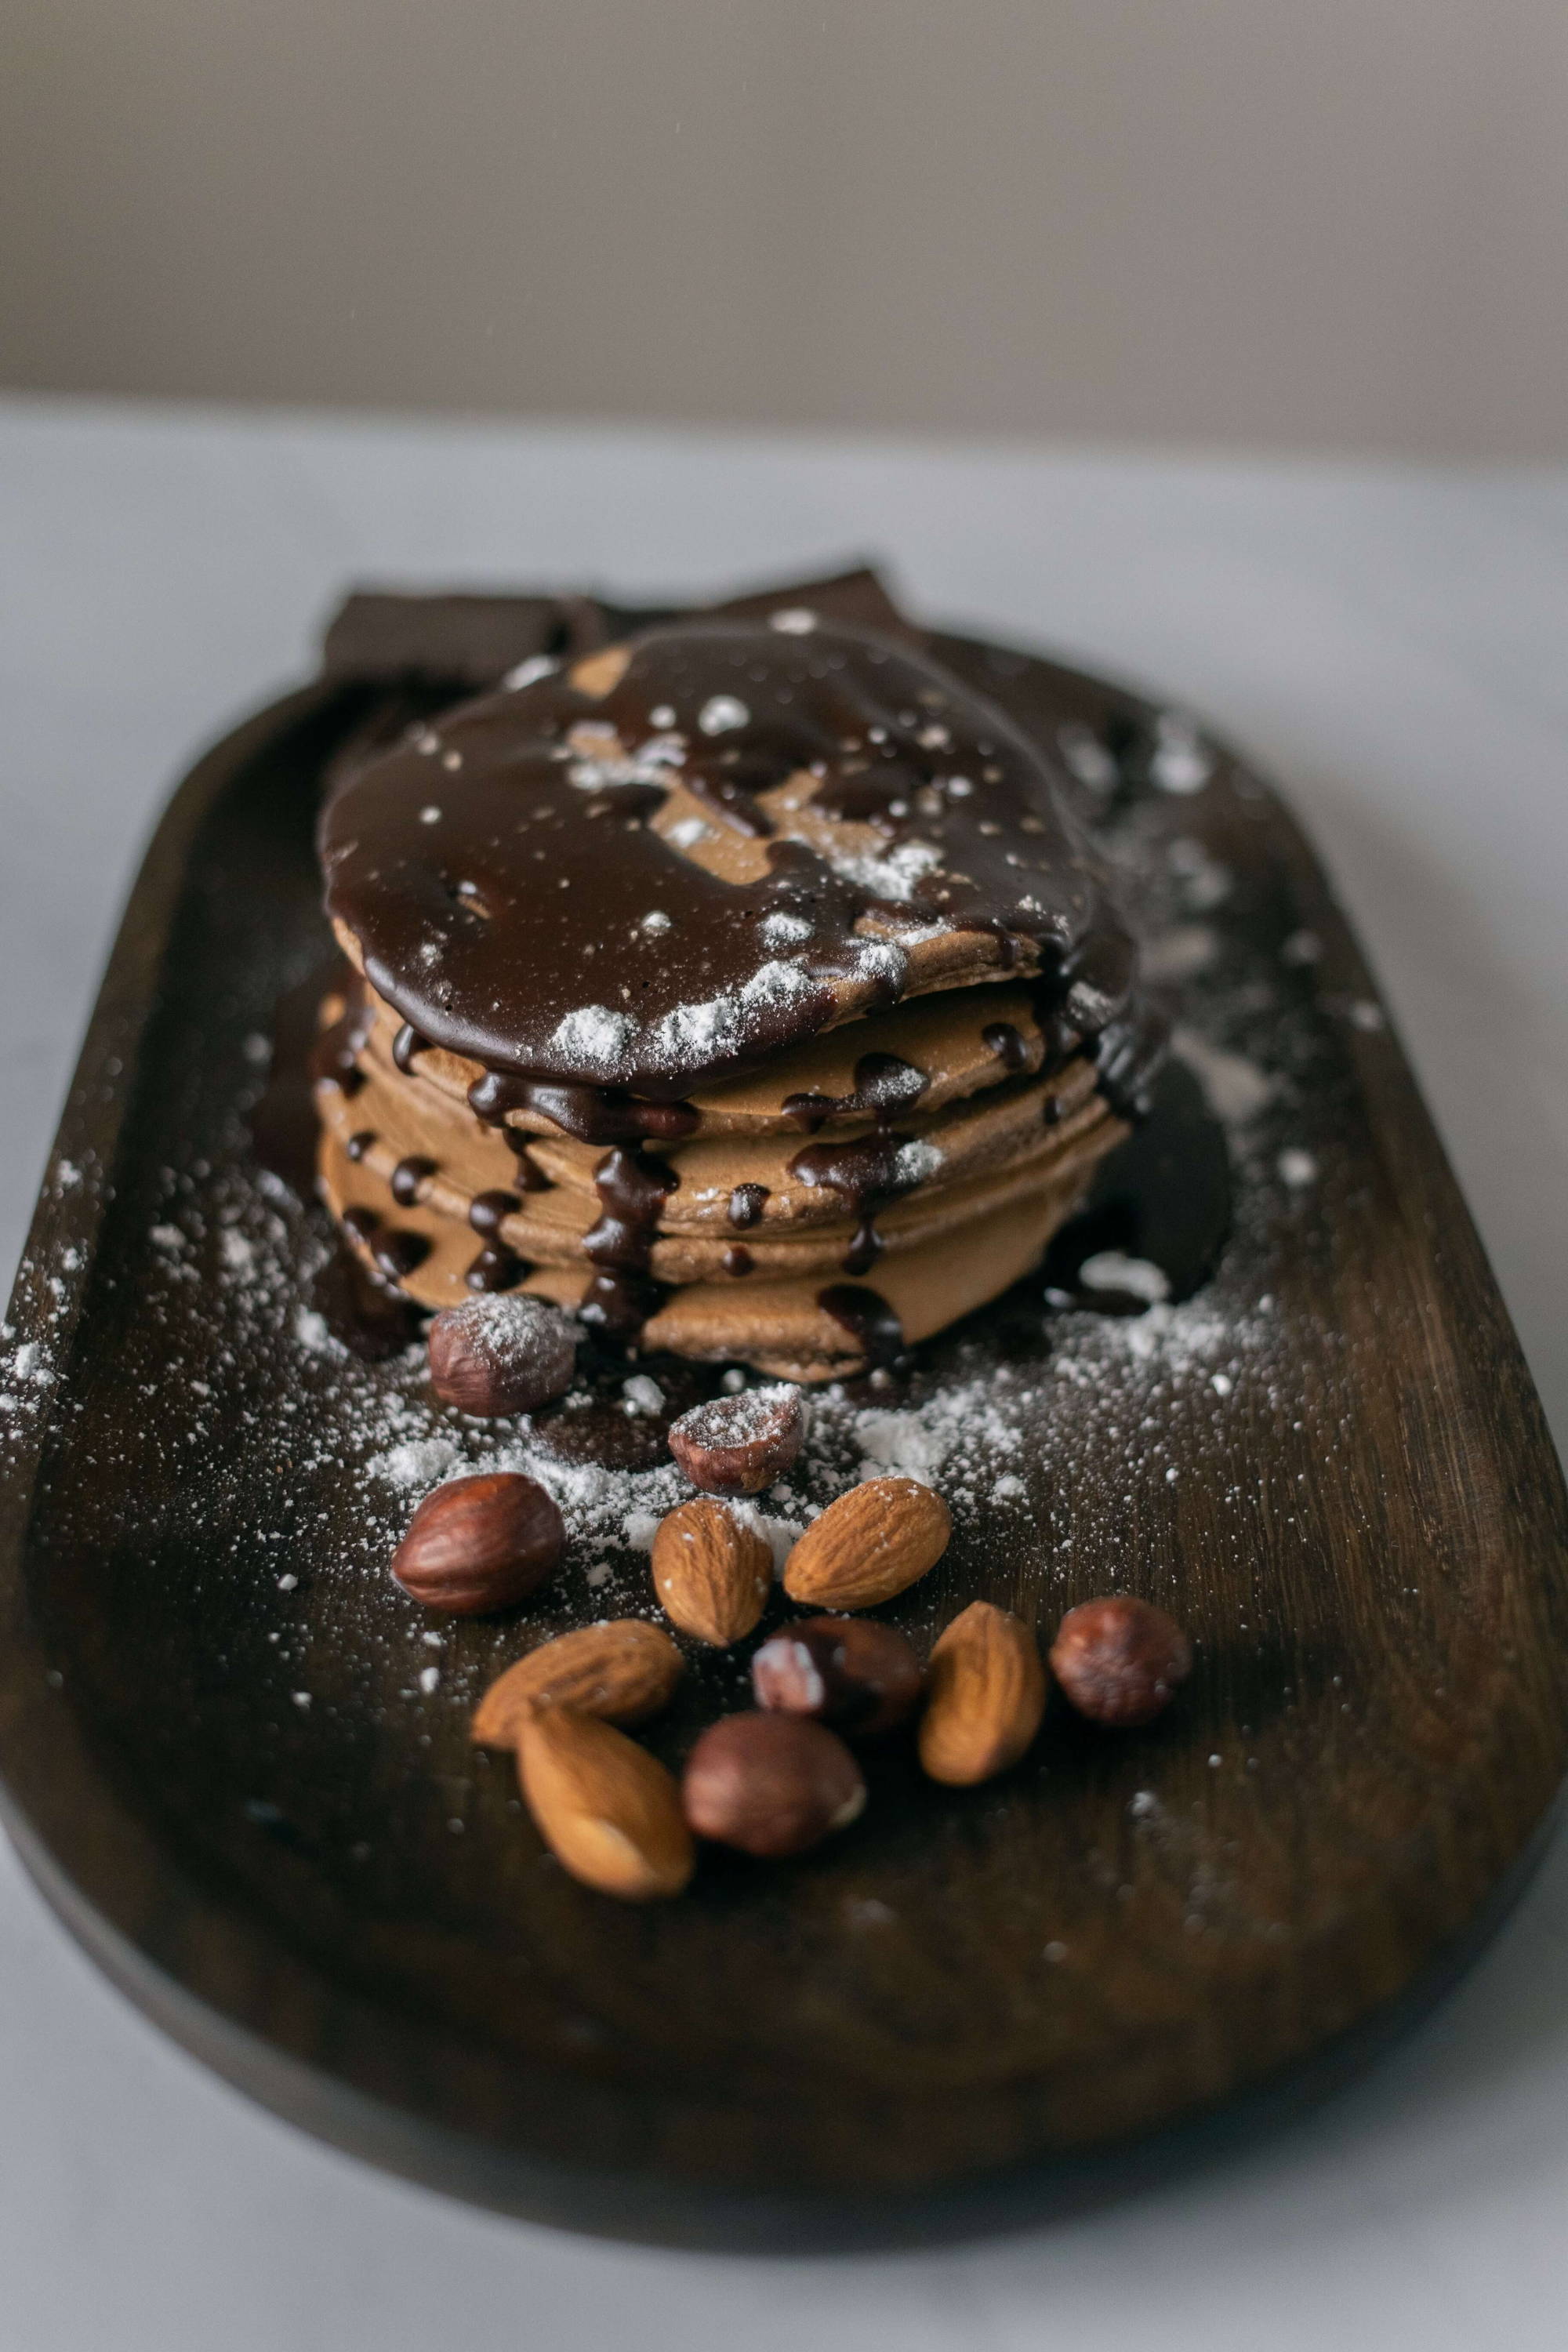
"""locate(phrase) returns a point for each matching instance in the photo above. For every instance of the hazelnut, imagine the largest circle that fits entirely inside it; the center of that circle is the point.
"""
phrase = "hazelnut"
(771, 1784)
(1120, 1661)
(481, 1543)
(495, 1355)
(739, 1444)
(850, 1672)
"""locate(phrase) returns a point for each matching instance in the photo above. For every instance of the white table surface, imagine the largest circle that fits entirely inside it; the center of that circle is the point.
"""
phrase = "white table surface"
(1393, 647)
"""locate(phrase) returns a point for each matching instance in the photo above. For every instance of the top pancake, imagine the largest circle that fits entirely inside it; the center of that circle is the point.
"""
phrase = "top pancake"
(643, 876)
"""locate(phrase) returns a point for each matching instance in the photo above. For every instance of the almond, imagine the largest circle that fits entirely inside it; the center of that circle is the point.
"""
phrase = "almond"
(608, 1811)
(868, 1545)
(711, 1573)
(622, 1671)
(987, 1694)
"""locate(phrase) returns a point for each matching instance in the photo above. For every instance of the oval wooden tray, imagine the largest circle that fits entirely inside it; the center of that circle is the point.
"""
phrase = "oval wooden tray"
(238, 1796)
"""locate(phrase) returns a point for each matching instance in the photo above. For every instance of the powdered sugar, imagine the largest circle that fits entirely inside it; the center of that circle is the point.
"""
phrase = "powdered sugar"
(594, 1037)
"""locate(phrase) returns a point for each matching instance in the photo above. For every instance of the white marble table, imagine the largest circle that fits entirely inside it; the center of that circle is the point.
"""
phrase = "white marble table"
(1389, 646)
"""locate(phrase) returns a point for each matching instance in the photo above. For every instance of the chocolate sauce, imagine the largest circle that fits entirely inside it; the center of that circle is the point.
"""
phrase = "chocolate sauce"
(738, 1259)
(866, 1315)
(495, 1268)
(746, 1204)
(1164, 1194)
(407, 1177)
(632, 1186)
(358, 1145)
(372, 1321)
(591, 1114)
(867, 1171)
(970, 821)
(406, 1044)
(884, 1083)
(398, 1252)
(489, 1211)
(530, 1175)
(1009, 1045)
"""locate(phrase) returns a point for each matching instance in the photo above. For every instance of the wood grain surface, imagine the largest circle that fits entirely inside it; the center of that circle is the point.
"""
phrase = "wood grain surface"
(976, 2000)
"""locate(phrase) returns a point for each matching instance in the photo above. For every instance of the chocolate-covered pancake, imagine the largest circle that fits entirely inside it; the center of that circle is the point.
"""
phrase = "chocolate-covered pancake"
(628, 877)
(713, 976)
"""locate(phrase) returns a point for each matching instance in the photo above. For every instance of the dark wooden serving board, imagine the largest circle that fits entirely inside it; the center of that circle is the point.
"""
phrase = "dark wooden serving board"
(235, 1792)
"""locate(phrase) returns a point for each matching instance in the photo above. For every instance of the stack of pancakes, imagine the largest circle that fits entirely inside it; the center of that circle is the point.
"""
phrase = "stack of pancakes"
(747, 988)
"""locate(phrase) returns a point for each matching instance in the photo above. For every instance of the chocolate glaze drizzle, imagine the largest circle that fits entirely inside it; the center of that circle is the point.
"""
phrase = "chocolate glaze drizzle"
(592, 1114)
(882, 1083)
(397, 1254)
(406, 1044)
(867, 1317)
(407, 1177)
(497, 1267)
(477, 925)
(1008, 1044)
(530, 1175)
(867, 1171)
(747, 1202)
(632, 1186)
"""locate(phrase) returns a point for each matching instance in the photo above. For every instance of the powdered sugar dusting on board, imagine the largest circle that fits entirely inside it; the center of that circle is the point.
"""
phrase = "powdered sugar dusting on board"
(1128, 1400)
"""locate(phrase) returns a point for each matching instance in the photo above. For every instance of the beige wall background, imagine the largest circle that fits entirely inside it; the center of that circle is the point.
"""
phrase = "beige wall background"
(1303, 224)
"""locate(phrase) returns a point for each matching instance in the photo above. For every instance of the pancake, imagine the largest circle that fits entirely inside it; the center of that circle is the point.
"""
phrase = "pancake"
(704, 979)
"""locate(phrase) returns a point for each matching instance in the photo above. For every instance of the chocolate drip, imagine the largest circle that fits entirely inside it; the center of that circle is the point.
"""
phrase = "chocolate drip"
(361, 1222)
(618, 1304)
(531, 1176)
(372, 1321)
(358, 1145)
(489, 1211)
(867, 1171)
(398, 1252)
(884, 1083)
(592, 1114)
(495, 1268)
(746, 1206)
(632, 1186)
(1009, 1045)
(407, 1177)
(972, 821)
(738, 1259)
(406, 1044)
(866, 1315)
